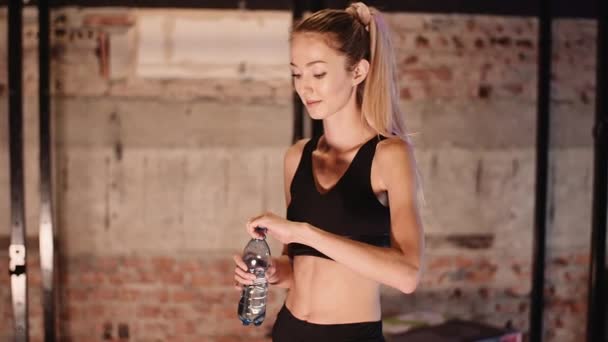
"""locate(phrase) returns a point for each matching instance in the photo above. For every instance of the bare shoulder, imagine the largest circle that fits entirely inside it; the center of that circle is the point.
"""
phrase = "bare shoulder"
(394, 160)
(294, 153)
(393, 152)
(291, 161)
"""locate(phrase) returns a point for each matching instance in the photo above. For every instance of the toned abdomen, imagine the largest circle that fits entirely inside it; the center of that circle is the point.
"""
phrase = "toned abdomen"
(326, 292)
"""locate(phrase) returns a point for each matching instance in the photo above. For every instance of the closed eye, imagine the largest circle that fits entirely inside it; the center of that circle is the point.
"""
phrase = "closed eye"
(319, 76)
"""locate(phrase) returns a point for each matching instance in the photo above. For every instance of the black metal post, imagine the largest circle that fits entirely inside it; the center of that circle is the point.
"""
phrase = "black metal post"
(300, 6)
(596, 311)
(542, 171)
(298, 107)
(46, 231)
(17, 248)
(317, 125)
(517, 8)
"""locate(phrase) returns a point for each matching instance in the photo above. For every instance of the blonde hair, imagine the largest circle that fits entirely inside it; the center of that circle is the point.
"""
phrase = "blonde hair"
(361, 32)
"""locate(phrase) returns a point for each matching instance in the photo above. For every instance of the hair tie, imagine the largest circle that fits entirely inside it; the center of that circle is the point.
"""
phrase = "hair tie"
(362, 12)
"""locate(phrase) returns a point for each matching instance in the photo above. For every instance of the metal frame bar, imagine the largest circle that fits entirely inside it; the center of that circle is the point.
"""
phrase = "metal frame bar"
(597, 285)
(316, 127)
(17, 248)
(562, 8)
(46, 228)
(542, 171)
(298, 108)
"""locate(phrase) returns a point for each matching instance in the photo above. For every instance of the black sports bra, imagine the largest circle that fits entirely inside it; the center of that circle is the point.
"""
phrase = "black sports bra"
(349, 209)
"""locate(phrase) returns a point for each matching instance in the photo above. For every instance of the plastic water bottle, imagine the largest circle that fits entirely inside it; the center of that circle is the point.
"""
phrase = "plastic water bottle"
(252, 306)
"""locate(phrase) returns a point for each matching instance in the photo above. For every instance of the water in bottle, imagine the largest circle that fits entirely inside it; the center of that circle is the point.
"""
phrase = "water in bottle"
(252, 306)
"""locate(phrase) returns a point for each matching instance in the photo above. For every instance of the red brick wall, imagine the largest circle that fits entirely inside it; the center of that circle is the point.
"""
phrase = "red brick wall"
(192, 298)
(143, 298)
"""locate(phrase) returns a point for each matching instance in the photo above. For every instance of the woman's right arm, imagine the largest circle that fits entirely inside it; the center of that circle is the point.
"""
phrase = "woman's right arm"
(281, 272)
(283, 275)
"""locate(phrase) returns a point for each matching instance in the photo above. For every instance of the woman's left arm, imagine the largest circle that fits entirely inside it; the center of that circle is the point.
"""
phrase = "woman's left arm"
(398, 266)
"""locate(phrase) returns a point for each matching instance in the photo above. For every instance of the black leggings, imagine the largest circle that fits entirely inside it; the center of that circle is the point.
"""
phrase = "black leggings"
(288, 328)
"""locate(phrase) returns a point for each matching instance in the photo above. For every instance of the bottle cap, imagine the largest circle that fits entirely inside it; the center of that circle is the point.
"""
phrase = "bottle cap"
(261, 230)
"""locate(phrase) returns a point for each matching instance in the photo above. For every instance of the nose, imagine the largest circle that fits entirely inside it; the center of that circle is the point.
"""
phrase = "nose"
(304, 88)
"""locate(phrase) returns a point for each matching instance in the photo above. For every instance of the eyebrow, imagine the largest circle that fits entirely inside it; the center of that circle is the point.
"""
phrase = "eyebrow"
(310, 63)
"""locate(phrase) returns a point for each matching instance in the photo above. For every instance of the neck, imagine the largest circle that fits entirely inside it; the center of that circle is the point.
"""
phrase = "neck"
(346, 129)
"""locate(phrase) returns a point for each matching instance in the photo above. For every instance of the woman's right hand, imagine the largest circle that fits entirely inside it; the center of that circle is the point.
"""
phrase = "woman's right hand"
(241, 273)
(279, 273)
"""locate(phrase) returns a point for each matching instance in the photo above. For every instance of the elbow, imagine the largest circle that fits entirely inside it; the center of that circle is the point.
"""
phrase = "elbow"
(409, 282)
(409, 287)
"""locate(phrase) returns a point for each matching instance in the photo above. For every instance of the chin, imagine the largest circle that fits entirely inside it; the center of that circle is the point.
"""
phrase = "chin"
(316, 115)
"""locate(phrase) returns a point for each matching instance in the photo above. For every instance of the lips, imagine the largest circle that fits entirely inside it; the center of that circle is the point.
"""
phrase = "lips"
(310, 103)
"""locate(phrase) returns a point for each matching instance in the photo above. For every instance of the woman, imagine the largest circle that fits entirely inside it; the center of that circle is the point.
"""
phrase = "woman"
(352, 218)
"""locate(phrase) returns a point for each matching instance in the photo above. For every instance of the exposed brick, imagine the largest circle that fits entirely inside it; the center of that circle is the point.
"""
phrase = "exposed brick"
(129, 295)
(149, 311)
(155, 295)
(163, 264)
(185, 327)
(77, 295)
(173, 312)
(190, 266)
(101, 20)
(198, 280)
(155, 327)
(92, 278)
(405, 94)
(184, 296)
(173, 278)
(422, 41)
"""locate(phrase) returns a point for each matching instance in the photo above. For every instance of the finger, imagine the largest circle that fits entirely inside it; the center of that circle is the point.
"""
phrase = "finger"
(256, 218)
(242, 281)
(252, 224)
(239, 262)
(252, 231)
(244, 274)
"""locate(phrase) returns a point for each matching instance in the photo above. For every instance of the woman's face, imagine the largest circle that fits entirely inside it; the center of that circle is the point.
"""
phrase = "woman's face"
(319, 75)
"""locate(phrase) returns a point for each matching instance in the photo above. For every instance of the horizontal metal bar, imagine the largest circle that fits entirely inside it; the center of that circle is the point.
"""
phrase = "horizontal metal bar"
(524, 8)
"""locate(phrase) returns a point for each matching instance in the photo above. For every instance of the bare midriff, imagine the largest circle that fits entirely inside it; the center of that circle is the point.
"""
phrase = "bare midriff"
(326, 292)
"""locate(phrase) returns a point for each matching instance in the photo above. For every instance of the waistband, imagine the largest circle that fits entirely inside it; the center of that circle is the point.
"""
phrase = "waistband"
(290, 316)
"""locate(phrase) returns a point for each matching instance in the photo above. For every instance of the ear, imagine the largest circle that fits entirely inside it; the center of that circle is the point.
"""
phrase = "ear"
(360, 71)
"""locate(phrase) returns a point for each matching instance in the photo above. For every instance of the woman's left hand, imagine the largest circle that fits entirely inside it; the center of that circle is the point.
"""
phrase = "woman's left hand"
(277, 227)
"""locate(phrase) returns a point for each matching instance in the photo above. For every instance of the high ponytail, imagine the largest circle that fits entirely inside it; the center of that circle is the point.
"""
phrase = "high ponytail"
(380, 104)
(380, 100)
